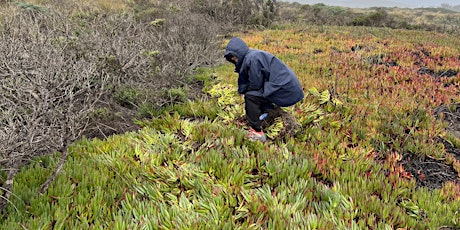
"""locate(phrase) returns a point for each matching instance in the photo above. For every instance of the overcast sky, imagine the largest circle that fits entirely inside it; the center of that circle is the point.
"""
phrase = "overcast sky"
(380, 3)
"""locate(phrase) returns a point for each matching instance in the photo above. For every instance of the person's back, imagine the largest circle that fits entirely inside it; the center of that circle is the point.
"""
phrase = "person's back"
(280, 84)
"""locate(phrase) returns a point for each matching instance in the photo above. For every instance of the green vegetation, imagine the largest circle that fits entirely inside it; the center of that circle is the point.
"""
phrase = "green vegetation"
(370, 98)
(191, 167)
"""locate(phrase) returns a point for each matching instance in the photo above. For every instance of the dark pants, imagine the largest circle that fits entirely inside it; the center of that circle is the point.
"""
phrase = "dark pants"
(255, 106)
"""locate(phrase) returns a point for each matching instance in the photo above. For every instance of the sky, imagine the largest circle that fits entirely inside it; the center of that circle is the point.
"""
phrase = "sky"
(380, 3)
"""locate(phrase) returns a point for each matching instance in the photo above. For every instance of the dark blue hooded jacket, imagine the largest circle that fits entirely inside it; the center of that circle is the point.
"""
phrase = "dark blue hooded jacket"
(262, 74)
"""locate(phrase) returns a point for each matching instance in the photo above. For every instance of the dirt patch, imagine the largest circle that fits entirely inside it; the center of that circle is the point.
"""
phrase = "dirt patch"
(112, 120)
(451, 115)
(433, 173)
(196, 90)
(441, 73)
(428, 172)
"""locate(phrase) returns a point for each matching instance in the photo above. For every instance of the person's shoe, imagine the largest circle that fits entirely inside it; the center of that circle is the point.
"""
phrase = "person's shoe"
(256, 136)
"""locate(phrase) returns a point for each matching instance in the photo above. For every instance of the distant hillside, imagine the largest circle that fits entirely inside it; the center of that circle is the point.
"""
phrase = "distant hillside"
(440, 19)
(453, 8)
(382, 3)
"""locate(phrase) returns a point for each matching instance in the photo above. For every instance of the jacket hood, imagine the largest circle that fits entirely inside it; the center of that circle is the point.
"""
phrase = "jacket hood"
(238, 48)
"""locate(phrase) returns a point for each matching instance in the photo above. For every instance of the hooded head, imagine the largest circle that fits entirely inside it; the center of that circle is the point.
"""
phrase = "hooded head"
(237, 48)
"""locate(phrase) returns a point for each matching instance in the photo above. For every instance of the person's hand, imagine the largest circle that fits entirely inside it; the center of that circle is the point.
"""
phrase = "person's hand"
(242, 96)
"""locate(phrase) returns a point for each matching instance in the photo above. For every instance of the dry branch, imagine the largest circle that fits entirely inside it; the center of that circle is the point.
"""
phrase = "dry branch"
(57, 70)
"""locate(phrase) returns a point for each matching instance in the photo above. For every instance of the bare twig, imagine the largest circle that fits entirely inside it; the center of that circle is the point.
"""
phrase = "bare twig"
(50, 179)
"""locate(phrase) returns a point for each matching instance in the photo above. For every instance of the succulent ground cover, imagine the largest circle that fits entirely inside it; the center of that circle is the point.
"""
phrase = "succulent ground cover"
(372, 146)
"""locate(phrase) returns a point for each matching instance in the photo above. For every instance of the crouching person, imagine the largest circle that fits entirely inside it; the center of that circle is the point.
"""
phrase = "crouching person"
(264, 81)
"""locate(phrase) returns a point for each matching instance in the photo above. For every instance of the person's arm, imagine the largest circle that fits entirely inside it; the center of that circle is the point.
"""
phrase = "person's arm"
(243, 84)
(256, 75)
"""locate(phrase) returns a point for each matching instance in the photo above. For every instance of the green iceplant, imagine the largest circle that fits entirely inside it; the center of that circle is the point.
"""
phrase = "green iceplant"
(228, 100)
